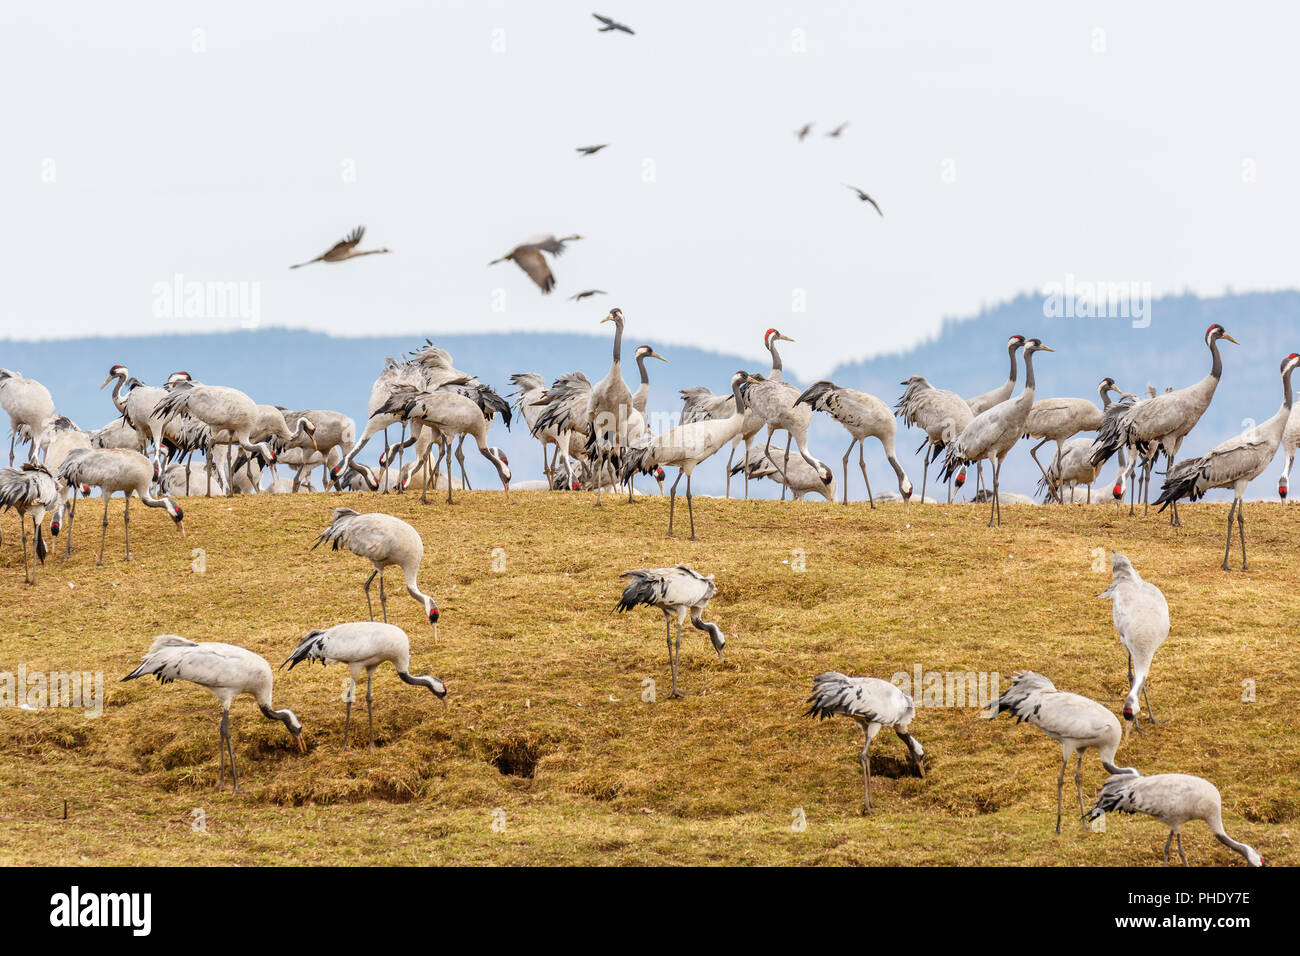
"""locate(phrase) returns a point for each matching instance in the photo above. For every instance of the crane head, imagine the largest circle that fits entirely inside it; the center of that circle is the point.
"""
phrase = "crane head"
(646, 351)
(615, 315)
(772, 335)
(1036, 345)
(431, 610)
(117, 371)
(1015, 342)
(1216, 332)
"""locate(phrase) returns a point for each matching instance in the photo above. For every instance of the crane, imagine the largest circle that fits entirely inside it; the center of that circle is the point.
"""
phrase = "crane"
(385, 542)
(344, 249)
(1174, 799)
(30, 490)
(112, 470)
(941, 414)
(1073, 721)
(677, 592)
(29, 406)
(982, 403)
(1058, 419)
(528, 256)
(1141, 616)
(1232, 464)
(863, 416)
(226, 670)
(872, 703)
(363, 646)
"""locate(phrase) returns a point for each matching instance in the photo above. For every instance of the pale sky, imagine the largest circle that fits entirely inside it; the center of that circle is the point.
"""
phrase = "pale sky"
(1111, 141)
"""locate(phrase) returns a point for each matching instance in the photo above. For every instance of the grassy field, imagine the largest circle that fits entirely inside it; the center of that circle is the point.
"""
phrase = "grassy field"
(545, 732)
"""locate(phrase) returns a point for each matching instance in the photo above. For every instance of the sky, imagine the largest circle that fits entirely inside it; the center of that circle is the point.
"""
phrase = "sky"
(1009, 146)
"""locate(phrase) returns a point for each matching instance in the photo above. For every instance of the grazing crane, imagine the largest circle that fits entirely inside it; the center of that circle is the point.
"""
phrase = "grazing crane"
(227, 671)
(993, 433)
(685, 447)
(385, 542)
(1174, 799)
(1233, 464)
(222, 409)
(873, 703)
(29, 406)
(1058, 419)
(112, 470)
(1290, 439)
(795, 473)
(862, 415)
(1141, 616)
(333, 437)
(33, 491)
(345, 248)
(982, 403)
(677, 592)
(528, 256)
(1163, 421)
(1073, 721)
(941, 414)
(363, 646)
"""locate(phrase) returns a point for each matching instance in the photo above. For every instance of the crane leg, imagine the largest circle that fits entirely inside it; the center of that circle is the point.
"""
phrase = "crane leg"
(12, 438)
(672, 501)
(673, 652)
(866, 773)
(730, 458)
(1168, 843)
(1060, 785)
(369, 717)
(1078, 785)
(126, 525)
(690, 510)
(221, 747)
(862, 463)
(1228, 546)
(1181, 854)
(1241, 527)
(103, 531)
(847, 452)
(347, 715)
(446, 453)
(1151, 717)
(460, 459)
(1033, 453)
(370, 609)
(401, 451)
(22, 526)
(383, 598)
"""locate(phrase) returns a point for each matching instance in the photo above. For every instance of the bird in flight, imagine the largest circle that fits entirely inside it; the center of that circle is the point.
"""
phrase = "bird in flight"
(588, 150)
(803, 133)
(865, 198)
(582, 295)
(612, 25)
(345, 248)
(528, 256)
(837, 130)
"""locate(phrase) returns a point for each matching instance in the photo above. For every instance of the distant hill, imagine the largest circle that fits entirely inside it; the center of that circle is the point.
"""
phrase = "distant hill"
(305, 369)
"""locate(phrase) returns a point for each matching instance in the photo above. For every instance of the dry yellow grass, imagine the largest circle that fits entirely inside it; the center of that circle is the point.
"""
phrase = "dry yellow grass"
(546, 679)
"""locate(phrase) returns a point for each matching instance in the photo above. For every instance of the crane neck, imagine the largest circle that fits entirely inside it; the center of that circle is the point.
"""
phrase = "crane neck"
(118, 401)
(1104, 392)
(645, 376)
(1216, 366)
(1011, 376)
(1286, 389)
(618, 342)
(1029, 370)
(741, 404)
(776, 359)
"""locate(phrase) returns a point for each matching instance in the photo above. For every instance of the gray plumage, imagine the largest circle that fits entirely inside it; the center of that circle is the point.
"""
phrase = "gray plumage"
(113, 470)
(30, 491)
(1073, 721)
(363, 646)
(29, 406)
(873, 704)
(862, 416)
(677, 592)
(1232, 464)
(1174, 799)
(227, 671)
(1141, 616)
(941, 414)
(385, 542)
(528, 256)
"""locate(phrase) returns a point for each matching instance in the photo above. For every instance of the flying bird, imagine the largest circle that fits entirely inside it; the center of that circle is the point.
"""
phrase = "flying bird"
(582, 295)
(345, 248)
(835, 133)
(528, 256)
(589, 150)
(610, 24)
(803, 131)
(865, 198)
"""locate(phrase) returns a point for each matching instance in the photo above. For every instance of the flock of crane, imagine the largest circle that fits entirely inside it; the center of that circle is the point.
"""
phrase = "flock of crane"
(597, 436)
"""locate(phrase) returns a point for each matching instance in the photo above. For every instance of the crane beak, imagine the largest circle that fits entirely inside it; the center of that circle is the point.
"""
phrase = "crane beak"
(608, 318)
(1230, 339)
(110, 378)
(302, 744)
(784, 338)
(658, 356)
(1045, 348)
